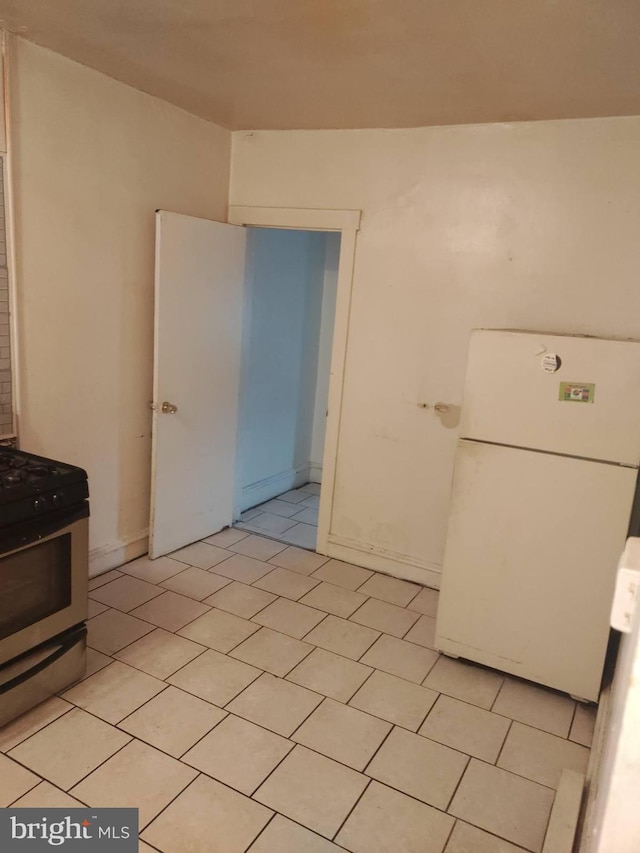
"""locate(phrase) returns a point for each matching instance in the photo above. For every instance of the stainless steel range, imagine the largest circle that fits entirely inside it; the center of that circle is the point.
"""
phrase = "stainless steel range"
(44, 521)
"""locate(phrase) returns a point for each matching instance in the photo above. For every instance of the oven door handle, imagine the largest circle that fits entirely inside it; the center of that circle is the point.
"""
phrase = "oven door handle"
(75, 639)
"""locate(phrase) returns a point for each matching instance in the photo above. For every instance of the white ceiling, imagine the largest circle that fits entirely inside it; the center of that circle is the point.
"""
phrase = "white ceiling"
(265, 64)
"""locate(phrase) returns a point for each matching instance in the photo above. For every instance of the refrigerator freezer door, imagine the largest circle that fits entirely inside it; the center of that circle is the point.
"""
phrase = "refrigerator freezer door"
(532, 547)
(515, 394)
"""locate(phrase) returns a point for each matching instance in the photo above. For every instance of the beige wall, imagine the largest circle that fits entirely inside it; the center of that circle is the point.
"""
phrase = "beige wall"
(93, 159)
(527, 226)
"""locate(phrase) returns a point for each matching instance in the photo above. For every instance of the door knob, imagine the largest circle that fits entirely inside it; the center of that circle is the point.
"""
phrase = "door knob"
(169, 408)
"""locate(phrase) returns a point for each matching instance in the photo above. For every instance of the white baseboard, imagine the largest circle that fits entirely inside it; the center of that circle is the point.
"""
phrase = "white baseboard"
(563, 820)
(114, 554)
(263, 490)
(315, 472)
(389, 563)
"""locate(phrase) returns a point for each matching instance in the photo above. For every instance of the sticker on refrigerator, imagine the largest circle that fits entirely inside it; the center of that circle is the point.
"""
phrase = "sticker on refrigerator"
(577, 392)
(551, 362)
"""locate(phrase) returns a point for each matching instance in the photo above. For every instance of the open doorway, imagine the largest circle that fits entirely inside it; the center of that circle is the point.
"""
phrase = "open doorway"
(288, 321)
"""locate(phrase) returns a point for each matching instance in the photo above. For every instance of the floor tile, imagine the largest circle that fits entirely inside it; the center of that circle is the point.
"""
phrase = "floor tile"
(386, 821)
(70, 748)
(282, 508)
(250, 514)
(343, 637)
(241, 600)
(289, 584)
(285, 836)
(105, 577)
(257, 547)
(308, 515)
(389, 589)
(294, 496)
(395, 700)
(225, 538)
(218, 630)
(426, 601)
(201, 554)
(418, 767)
(334, 599)
(400, 658)
(536, 706)
(473, 684)
(196, 583)
(206, 810)
(114, 692)
(343, 574)
(14, 781)
(540, 756)
(47, 796)
(301, 535)
(329, 674)
(111, 631)
(28, 724)
(584, 721)
(214, 677)
(275, 704)
(96, 661)
(313, 501)
(272, 651)
(504, 804)
(467, 728)
(469, 839)
(312, 790)
(243, 569)
(385, 617)
(160, 653)
(342, 733)
(125, 593)
(138, 776)
(271, 523)
(289, 617)
(173, 721)
(170, 611)
(298, 560)
(154, 571)
(238, 753)
(311, 488)
(423, 632)
(95, 607)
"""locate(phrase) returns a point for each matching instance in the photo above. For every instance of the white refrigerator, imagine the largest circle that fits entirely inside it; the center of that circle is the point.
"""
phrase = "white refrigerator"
(543, 490)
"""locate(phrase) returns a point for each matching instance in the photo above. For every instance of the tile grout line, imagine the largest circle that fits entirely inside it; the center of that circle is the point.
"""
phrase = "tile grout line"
(45, 726)
(271, 772)
(502, 746)
(351, 810)
(376, 751)
(449, 836)
(263, 830)
(29, 790)
(133, 666)
(358, 689)
(171, 801)
(457, 785)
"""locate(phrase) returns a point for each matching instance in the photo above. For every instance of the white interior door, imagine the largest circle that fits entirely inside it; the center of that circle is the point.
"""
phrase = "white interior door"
(199, 286)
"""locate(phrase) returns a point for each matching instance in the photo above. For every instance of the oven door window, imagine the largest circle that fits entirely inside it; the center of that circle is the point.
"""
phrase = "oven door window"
(34, 583)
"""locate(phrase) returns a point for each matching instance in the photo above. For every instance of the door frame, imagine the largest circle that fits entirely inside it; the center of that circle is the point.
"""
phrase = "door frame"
(347, 223)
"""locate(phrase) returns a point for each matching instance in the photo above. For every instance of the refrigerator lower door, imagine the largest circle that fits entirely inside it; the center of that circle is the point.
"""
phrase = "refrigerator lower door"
(532, 547)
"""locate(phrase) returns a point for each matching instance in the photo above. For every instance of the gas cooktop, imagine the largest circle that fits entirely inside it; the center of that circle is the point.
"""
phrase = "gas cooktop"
(31, 485)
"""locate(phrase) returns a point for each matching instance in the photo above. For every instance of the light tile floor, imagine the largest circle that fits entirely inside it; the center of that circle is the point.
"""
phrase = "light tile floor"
(291, 517)
(250, 696)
